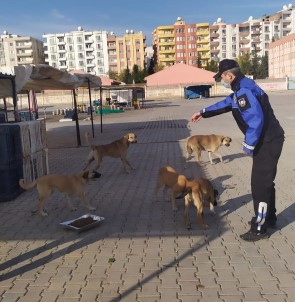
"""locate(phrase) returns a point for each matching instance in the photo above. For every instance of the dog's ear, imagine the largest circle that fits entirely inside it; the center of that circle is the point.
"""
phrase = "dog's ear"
(85, 174)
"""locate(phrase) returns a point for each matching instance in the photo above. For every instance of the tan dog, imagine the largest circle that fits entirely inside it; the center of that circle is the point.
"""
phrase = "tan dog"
(117, 148)
(202, 195)
(170, 179)
(209, 143)
(69, 184)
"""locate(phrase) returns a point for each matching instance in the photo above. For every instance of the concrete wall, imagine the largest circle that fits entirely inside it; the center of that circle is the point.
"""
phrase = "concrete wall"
(65, 98)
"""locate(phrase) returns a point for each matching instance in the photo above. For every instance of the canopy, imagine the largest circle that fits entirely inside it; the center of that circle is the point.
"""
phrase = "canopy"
(45, 77)
(86, 79)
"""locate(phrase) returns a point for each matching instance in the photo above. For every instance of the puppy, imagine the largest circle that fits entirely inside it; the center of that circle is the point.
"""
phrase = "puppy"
(69, 184)
(170, 179)
(209, 143)
(117, 148)
(202, 195)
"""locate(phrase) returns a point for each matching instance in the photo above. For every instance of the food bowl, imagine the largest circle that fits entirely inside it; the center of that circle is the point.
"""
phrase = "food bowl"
(82, 223)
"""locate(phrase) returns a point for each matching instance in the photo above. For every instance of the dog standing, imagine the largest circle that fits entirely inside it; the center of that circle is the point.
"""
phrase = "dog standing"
(69, 184)
(170, 179)
(209, 143)
(115, 149)
(202, 195)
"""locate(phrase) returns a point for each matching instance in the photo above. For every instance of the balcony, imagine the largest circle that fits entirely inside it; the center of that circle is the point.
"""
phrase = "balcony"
(202, 33)
(168, 42)
(214, 35)
(172, 50)
(215, 51)
(244, 33)
(244, 41)
(26, 53)
(214, 27)
(23, 45)
(245, 49)
(214, 43)
(165, 35)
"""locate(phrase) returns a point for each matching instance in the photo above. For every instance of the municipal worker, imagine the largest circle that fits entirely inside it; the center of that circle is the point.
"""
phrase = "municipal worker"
(263, 141)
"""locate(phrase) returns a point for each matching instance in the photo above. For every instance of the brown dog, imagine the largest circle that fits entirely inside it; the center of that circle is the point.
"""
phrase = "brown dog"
(117, 148)
(202, 195)
(209, 143)
(69, 184)
(170, 179)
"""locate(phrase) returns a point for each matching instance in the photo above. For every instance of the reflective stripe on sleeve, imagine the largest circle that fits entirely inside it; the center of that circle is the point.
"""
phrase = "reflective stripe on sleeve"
(248, 147)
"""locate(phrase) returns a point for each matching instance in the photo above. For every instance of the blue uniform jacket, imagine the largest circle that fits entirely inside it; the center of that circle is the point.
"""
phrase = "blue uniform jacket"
(252, 111)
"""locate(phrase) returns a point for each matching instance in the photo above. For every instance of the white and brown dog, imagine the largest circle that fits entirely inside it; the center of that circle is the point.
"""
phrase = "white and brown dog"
(117, 149)
(70, 184)
(209, 143)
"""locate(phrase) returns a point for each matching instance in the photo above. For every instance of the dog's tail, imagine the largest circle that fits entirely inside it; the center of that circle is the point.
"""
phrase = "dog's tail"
(26, 186)
(186, 191)
(216, 193)
(189, 149)
(87, 138)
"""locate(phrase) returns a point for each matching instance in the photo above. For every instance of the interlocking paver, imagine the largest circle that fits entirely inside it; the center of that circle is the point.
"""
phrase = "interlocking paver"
(156, 257)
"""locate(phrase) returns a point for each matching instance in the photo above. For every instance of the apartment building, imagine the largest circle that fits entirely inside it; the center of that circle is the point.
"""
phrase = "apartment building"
(16, 50)
(181, 43)
(221, 40)
(130, 50)
(78, 50)
(282, 57)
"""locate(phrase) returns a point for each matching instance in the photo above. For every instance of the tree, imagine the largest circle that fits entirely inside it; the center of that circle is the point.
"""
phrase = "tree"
(199, 61)
(244, 62)
(158, 67)
(255, 64)
(151, 66)
(212, 66)
(262, 72)
(125, 76)
(135, 74)
(113, 75)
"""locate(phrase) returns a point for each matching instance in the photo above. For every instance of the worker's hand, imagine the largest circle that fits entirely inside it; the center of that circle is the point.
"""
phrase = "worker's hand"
(247, 154)
(196, 117)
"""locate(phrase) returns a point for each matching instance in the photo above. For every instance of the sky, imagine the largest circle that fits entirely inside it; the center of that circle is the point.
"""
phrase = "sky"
(35, 18)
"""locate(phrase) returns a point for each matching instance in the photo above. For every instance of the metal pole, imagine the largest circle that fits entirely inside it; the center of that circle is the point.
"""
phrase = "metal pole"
(29, 103)
(14, 97)
(100, 96)
(5, 108)
(90, 102)
(76, 119)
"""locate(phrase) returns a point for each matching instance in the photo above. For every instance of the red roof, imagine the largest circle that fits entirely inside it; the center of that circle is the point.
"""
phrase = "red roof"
(181, 74)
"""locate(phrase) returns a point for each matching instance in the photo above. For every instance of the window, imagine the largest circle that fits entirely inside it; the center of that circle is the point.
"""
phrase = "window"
(80, 55)
(98, 38)
(81, 63)
(79, 40)
(80, 47)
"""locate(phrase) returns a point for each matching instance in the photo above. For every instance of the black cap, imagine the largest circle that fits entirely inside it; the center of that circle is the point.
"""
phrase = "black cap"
(225, 65)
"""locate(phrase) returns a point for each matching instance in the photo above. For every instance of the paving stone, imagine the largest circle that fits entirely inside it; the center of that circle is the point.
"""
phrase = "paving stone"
(150, 244)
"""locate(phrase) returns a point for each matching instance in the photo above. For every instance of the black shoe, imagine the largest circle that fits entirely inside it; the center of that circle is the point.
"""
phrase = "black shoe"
(254, 236)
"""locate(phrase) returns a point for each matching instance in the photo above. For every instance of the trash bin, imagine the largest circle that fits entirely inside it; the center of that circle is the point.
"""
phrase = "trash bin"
(11, 169)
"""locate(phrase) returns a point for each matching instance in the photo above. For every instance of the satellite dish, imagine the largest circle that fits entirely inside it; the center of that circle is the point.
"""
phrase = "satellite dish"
(178, 18)
(80, 28)
(131, 31)
(127, 31)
